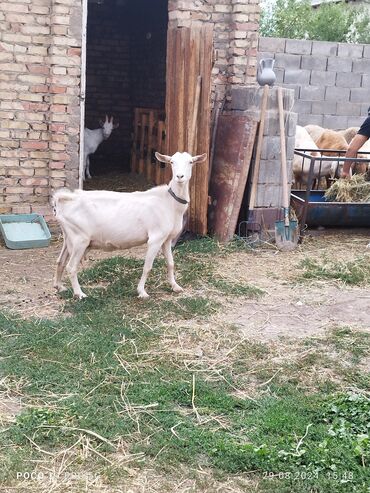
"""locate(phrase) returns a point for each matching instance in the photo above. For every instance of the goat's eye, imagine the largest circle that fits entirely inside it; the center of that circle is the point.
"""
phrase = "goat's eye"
(171, 162)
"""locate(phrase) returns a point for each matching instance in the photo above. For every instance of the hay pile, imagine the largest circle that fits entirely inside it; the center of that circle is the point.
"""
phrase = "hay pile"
(357, 189)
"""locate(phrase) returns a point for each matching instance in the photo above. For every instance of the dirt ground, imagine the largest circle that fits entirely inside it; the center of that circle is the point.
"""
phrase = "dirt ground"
(287, 308)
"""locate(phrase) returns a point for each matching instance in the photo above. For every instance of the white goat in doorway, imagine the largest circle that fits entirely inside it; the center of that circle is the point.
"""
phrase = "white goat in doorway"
(118, 220)
(93, 139)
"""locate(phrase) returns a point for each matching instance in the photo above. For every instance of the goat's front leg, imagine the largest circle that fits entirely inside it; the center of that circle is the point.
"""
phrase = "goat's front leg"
(167, 252)
(153, 249)
(87, 167)
(61, 263)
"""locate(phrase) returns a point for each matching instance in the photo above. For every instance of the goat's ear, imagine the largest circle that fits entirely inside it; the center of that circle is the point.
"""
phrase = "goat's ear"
(199, 159)
(163, 158)
(101, 123)
(116, 125)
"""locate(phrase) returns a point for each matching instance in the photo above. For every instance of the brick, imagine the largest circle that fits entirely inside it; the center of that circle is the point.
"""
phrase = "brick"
(366, 53)
(14, 124)
(40, 88)
(21, 209)
(348, 80)
(314, 62)
(350, 50)
(30, 97)
(312, 93)
(322, 78)
(324, 107)
(273, 45)
(29, 29)
(348, 109)
(297, 76)
(361, 66)
(56, 89)
(337, 64)
(299, 47)
(13, 7)
(304, 119)
(16, 38)
(359, 95)
(12, 67)
(6, 57)
(34, 182)
(34, 144)
(287, 61)
(335, 122)
(337, 94)
(38, 69)
(324, 48)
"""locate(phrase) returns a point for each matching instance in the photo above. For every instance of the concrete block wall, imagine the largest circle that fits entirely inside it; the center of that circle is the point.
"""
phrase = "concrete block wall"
(331, 81)
(247, 100)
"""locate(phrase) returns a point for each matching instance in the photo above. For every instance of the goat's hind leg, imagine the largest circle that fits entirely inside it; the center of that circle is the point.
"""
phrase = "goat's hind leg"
(61, 263)
(167, 252)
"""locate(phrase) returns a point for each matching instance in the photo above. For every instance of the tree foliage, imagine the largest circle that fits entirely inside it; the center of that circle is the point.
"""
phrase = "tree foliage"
(296, 19)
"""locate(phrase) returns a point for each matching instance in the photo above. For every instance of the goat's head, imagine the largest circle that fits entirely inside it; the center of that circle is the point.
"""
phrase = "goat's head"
(107, 126)
(182, 164)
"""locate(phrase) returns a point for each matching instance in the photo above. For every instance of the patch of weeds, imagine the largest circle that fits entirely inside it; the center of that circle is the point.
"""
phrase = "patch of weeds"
(354, 272)
(354, 342)
(236, 289)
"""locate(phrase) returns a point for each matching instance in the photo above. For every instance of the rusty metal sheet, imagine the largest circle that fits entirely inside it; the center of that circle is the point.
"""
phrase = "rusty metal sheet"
(233, 153)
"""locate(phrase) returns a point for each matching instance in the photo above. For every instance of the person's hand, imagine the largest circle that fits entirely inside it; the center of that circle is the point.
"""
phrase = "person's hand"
(346, 174)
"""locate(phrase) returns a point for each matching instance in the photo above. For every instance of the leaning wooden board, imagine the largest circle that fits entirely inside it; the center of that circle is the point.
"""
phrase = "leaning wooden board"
(233, 154)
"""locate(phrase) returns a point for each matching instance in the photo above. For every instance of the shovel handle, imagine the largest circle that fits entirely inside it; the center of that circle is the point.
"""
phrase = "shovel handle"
(284, 171)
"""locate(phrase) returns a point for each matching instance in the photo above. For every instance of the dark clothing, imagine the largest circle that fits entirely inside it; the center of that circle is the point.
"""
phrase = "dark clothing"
(365, 128)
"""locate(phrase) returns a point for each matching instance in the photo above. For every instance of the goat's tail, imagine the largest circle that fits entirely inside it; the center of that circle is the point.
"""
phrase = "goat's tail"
(59, 196)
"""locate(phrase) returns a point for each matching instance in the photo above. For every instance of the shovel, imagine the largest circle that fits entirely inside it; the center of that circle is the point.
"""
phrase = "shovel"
(286, 231)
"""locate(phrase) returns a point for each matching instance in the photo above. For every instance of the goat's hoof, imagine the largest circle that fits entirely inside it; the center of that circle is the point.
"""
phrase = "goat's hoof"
(143, 296)
(177, 289)
(60, 288)
(80, 296)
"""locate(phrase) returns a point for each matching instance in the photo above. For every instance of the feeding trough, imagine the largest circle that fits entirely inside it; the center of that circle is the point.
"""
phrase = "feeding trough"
(22, 231)
(318, 211)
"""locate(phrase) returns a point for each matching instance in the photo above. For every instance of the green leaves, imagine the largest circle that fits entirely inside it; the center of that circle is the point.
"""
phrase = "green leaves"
(332, 21)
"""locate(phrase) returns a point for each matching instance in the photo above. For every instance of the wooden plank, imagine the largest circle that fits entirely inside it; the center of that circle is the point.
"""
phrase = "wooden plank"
(233, 153)
(134, 152)
(158, 169)
(203, 133)
(143, 130)
(189, 55)
(148, 159)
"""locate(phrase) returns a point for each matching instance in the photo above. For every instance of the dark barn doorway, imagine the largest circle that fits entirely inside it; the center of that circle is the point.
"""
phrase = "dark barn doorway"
(125, 69)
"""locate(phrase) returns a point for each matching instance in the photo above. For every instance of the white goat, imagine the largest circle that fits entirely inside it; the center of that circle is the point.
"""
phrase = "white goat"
(114, 220)
(93, 139)
(301, 166)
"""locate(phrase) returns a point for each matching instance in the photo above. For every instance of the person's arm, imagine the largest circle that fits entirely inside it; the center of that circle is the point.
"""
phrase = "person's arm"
(356, 143)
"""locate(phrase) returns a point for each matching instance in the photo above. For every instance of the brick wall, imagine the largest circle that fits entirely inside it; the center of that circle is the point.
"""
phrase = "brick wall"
(39, 106)
(331, 80)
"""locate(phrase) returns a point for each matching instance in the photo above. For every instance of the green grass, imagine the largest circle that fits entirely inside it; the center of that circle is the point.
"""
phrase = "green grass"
(354, 272)
(100, 373)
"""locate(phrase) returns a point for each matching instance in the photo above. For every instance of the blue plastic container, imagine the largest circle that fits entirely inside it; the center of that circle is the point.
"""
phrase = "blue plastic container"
(22, 231)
